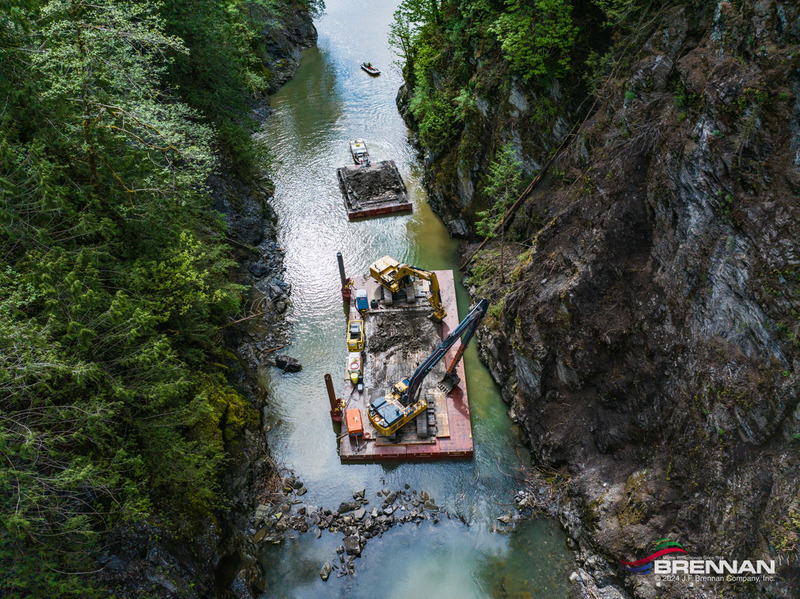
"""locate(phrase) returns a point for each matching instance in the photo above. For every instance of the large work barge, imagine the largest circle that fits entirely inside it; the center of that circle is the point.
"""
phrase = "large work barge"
(400, 335)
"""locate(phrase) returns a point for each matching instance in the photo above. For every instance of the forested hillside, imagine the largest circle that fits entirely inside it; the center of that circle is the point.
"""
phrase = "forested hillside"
(115, 274)
(645, 292)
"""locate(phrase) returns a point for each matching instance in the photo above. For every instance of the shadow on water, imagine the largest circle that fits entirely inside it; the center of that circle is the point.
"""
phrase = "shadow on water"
(329, 102)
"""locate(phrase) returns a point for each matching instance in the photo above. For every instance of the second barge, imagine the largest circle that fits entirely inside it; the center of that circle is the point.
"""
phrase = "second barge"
(373, 189)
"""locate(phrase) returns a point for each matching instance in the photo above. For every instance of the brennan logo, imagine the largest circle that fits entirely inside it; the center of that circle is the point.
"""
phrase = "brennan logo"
(644, 565)
(712, 566)
(699, 569)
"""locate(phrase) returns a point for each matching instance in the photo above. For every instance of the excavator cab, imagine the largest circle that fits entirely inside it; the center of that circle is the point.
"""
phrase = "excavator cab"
(399, 391)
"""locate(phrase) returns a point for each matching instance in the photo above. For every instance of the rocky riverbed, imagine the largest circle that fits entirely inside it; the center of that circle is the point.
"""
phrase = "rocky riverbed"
(284, 513)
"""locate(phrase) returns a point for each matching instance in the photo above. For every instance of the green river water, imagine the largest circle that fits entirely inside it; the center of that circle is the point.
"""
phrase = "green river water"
(330, 101)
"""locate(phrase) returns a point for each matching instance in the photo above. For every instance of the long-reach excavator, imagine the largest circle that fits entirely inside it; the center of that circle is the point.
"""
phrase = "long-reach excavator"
(395, 276)
(402, 404)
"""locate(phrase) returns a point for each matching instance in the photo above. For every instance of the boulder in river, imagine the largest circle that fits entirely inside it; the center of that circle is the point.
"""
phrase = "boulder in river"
(260, 535)
(325, 571)
(288, 364)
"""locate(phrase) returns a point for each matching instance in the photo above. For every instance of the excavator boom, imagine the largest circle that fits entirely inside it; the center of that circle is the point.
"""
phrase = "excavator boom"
(402, 403)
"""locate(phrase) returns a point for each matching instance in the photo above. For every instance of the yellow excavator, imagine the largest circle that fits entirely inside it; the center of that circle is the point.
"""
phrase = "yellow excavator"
(394, 276)
(403, 402)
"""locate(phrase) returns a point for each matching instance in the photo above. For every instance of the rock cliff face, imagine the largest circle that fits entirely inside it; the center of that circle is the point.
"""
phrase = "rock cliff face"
(283, 43)
(649, 340)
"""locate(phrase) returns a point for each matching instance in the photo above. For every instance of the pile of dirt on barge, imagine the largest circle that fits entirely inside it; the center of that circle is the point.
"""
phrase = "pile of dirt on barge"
(399, 336)
(373, 190)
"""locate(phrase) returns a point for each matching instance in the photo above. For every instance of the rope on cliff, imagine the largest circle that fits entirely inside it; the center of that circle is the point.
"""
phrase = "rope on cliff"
(524, 195)
(571, 135)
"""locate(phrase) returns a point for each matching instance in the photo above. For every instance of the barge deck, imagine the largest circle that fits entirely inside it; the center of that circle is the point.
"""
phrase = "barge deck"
(398, 338)
(371, 190)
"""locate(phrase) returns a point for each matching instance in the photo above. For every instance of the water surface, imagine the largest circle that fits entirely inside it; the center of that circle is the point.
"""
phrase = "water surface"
(329, 102)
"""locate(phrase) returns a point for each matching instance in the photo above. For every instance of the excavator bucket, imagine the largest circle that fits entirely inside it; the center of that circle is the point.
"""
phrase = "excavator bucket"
(448, 382)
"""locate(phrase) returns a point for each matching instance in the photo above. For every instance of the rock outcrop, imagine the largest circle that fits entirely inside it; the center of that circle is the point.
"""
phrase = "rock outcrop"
(646, 338)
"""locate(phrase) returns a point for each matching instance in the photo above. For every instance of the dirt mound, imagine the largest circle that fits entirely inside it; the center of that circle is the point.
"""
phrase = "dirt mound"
(411, 331)
(378, 183)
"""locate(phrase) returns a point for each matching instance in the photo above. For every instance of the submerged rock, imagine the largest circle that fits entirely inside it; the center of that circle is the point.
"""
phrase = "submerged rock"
(352, 545)
(260, 534)
(347, 506)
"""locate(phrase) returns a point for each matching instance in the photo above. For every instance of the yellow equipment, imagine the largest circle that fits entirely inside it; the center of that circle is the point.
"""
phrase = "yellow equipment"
(394, 276)
(354, 367)
(355, 335)
(389, 413)
(405, 402)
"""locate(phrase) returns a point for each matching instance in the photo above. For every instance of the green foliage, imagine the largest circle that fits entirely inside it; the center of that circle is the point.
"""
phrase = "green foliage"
(496, 309)
(113, 276)
(618, 11)
(786, 536)
(502, 187)
(409, 18)
(435, 115)
(537, 37)
(225, 66)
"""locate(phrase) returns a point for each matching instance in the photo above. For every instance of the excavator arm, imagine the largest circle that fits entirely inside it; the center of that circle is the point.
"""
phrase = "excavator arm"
(402, 404)
(450, 378)
(466, 328)
(435, 296)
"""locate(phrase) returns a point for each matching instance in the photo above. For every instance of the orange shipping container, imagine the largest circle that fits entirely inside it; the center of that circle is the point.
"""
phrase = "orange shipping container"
(354, 424)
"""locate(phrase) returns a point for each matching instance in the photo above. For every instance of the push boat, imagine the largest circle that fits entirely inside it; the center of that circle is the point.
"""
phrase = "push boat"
(358, 148)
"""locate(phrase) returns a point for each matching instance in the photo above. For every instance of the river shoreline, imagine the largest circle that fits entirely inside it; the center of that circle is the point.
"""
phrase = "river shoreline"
(308, 136)
(263, 330)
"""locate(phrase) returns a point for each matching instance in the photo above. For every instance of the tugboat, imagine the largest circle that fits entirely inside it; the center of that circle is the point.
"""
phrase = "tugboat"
(367, 66)
(358, 148)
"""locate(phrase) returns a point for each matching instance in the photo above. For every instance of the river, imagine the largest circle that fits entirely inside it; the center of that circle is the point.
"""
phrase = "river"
(330, 101)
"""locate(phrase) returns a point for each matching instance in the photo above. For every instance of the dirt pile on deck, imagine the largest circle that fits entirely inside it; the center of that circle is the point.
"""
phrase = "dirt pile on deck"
(379, 180)
(407, 331)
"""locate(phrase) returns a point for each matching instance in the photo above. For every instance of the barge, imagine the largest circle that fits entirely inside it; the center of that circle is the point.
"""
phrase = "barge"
(373, 189)
(400, 335)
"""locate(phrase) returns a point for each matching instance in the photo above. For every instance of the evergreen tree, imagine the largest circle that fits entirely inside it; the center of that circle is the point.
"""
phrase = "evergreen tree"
(502, 186)
(114, 279)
